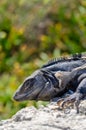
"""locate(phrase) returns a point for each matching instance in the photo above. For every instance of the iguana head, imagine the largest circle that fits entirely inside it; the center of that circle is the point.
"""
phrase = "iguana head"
(39, 86)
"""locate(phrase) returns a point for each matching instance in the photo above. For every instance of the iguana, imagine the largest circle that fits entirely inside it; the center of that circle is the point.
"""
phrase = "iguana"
(46, 83)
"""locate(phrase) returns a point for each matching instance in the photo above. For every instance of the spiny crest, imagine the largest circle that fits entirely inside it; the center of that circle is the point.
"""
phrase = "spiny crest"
(73, 57)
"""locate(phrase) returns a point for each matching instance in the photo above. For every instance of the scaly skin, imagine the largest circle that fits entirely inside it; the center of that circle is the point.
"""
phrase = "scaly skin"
(77, 79)
(44, 85)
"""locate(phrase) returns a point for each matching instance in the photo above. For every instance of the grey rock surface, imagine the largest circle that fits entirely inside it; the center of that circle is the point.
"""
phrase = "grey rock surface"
(46, 118)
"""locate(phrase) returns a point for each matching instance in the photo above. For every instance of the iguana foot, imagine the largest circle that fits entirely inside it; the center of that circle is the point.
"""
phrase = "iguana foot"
(70, 101)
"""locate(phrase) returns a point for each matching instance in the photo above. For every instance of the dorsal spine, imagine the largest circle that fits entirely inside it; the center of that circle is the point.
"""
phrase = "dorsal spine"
(73, 57)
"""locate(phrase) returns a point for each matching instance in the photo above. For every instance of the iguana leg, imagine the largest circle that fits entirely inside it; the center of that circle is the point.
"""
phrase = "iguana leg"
(77, 96)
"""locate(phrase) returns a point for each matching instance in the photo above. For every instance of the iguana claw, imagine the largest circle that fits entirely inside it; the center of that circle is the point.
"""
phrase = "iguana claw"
(71, 101)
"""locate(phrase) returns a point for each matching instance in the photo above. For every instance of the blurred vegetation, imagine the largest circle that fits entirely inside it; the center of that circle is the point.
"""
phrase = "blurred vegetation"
(32, 32)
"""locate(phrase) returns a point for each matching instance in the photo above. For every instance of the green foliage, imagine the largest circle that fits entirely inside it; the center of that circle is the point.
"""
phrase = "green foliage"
(32, 32)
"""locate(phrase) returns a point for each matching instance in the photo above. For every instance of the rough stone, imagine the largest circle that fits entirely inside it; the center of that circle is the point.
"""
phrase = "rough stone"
(46, 118)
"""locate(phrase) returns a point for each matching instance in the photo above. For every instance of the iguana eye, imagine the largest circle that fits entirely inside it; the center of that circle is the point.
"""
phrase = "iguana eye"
(27, 83)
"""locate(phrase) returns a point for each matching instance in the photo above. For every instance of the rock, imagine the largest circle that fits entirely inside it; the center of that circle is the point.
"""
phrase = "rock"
(46, 118)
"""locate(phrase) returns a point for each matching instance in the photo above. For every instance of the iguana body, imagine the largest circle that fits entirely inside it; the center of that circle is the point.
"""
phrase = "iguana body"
(46, 83)
(75, 81)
